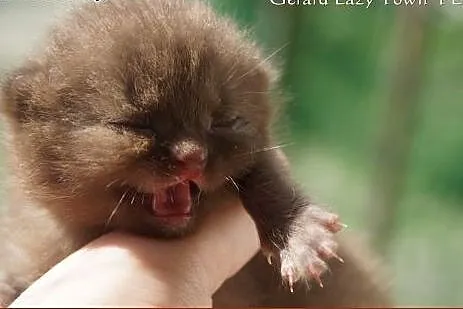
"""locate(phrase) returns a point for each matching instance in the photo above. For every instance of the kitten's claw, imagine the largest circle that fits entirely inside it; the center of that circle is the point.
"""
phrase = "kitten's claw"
(269, 259)
(326, 252)
(315, 275)
(336, 226)
(333, 224)
(291, 283)
(269, 255)
(287, 271)
(328, 219)
(337, 257)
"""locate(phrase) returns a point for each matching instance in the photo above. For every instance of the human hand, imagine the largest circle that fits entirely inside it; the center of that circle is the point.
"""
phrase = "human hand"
(126, 270)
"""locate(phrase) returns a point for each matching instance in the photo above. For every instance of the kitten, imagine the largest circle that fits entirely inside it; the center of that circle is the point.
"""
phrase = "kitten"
(132, 117)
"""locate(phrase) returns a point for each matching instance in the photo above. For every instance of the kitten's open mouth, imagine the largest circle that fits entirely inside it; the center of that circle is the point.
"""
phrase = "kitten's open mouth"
(172, 203)
(175, 201)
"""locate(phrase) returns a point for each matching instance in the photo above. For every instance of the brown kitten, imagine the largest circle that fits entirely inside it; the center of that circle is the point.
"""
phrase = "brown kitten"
(134, 115)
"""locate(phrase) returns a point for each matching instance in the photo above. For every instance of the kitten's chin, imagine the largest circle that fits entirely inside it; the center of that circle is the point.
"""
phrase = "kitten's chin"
(158, 227)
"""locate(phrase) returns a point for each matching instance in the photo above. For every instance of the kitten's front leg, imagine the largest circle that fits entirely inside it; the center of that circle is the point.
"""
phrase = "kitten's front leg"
(289, 226)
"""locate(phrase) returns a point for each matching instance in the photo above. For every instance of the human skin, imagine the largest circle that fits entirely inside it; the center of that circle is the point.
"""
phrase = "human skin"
(126, 270)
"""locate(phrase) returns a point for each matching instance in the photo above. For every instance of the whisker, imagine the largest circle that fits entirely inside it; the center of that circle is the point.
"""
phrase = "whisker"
(266, 149)
(263, 61)
(253, 148)
(112, 183)
(256, 92)
(233, 182)
(273, 147)
(171, 198)
(231, 72)
(115, 210)
(133, 198)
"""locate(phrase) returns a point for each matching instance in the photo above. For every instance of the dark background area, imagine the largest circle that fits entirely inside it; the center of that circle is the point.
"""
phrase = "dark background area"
(373, 121)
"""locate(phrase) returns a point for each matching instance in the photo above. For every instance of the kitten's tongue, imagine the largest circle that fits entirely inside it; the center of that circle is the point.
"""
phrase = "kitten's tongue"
(173, 201)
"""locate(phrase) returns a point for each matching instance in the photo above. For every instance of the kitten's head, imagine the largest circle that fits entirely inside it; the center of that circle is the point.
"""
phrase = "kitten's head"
(140, 104)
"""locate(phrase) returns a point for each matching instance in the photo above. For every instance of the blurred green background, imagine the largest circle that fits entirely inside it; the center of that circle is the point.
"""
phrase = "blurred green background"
(373, 121)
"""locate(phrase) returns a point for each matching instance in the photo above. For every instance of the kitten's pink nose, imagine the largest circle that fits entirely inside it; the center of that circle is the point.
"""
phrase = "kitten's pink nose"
(191, 157)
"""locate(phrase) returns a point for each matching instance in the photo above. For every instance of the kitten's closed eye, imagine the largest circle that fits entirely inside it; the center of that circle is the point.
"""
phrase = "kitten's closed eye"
(234, 123)
(134, 127)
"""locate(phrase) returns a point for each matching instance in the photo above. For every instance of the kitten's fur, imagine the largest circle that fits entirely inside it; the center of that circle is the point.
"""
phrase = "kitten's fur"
(124, 91)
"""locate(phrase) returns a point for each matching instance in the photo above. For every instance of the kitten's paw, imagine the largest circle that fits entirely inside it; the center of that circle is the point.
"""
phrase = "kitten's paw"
(310, 242)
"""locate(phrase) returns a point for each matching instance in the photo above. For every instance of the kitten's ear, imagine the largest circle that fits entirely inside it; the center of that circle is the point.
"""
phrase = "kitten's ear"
(18, 92)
